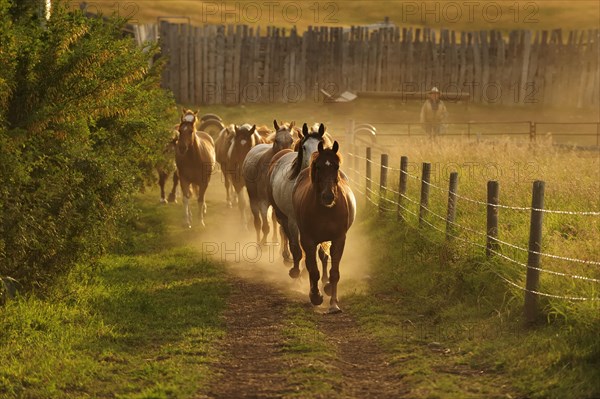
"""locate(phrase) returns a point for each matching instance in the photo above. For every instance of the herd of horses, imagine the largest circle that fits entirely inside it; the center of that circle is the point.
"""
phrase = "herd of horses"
(295, 171)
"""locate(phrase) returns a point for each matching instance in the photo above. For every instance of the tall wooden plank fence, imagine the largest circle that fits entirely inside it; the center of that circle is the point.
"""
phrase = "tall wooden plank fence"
(217, 64)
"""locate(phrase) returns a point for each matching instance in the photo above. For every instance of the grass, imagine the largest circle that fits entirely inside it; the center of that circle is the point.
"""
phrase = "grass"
(487, 14)
(307, 349)
(454, 329)
(143, 325)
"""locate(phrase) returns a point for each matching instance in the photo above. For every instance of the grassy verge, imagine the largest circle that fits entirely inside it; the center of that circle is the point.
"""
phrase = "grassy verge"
(455, 330)
(142, 325)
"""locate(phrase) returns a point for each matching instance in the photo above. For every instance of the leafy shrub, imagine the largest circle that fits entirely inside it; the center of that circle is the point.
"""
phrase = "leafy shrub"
(82, 122)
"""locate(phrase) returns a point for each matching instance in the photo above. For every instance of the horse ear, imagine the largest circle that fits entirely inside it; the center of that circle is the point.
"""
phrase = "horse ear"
(335, 147)
(292, 124)
(196, 113)
(275, 125)
(253, 129)
(182, 112)
(321, 130)
(320, 146)
(304, 130)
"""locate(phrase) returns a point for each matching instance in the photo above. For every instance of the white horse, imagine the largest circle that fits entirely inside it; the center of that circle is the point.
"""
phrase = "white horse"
(282, 176)
(254, 171)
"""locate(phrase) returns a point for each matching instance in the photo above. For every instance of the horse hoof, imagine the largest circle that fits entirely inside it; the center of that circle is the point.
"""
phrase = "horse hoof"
(316, 298)
(334, 310)
(229, 204)
(172, 199)
(163, 201)
(294, 272)
(327, 289)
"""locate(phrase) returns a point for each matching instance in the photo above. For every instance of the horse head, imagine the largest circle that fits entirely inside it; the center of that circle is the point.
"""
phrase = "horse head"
(307, 145)
(325, 173)
(187, 130)
(283, 136)
(244, 139)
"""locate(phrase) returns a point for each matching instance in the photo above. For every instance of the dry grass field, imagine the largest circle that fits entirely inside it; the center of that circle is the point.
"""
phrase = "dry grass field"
(458, 15)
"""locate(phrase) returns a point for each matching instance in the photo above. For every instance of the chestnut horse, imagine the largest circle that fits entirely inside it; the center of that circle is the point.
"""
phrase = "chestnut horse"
(254, 171)
(232, 146)
(325, 209)
(195, 159)
(284, 169)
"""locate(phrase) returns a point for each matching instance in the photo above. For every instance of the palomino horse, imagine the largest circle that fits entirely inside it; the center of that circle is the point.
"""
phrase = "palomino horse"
(254, 171)
(325, 208)
(195, 158)
(285, 168)
(232, 146)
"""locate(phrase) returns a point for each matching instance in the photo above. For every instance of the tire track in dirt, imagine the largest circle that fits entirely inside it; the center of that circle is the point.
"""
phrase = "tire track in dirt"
(362, 363)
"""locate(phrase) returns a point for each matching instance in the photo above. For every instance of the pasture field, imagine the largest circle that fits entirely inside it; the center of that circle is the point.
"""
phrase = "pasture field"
(485, 14)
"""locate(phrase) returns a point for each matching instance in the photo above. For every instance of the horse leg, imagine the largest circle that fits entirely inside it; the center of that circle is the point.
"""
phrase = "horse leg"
(310, 249)
(285, 242)
(283, 221)
(254, 207)
(227, 188)
(162, 179)
(173, 193)
(264, 213)
(186, 193)
(295, 248)
(337, 249)
(201, 203)
(324, 260)
(242, 205)
(275, 223)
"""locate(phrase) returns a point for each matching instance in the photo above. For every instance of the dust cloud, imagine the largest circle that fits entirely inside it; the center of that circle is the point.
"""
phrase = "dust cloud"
(227, 240)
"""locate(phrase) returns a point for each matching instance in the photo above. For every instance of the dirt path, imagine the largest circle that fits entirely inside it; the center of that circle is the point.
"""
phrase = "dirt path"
(362, 363)
(253, 361)
(254, 365)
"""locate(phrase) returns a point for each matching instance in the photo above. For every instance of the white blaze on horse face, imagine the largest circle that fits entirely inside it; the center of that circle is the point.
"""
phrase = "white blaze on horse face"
(243, 142)
(327, 163)
(189, 118)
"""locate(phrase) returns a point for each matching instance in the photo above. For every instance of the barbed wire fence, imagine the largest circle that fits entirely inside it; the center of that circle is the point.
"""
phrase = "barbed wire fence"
(401, 205)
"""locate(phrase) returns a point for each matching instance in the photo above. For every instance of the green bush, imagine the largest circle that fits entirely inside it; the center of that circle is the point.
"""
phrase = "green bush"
(82, 122)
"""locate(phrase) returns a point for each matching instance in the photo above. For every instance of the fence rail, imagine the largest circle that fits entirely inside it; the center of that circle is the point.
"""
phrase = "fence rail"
(493, 246)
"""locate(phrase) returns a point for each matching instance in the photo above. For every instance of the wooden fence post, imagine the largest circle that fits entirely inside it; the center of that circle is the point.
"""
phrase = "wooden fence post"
(533, 258)
(349, 139)
(383, 181)
(425, 176)
(402, 186)
(532, 131)
(493, 189)
(368, 172)
(451, 215)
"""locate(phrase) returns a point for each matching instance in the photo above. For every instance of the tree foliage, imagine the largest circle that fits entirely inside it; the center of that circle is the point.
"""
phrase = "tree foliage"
(83, 120)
